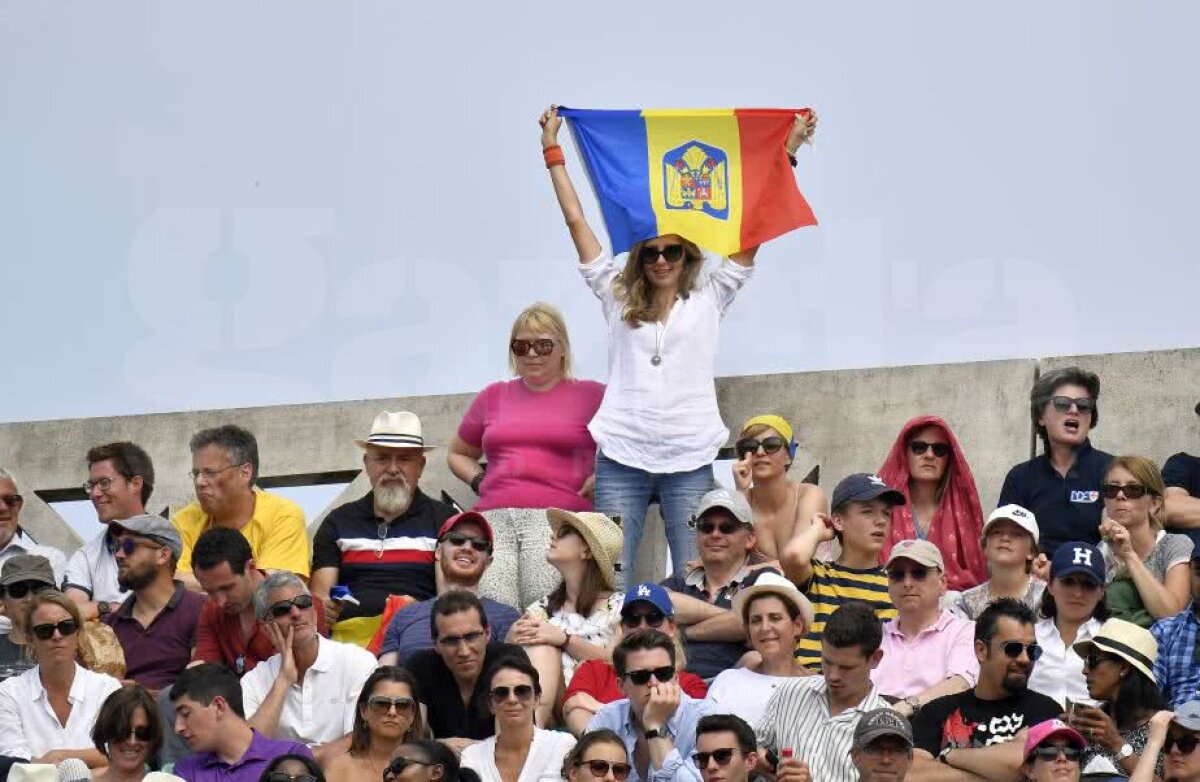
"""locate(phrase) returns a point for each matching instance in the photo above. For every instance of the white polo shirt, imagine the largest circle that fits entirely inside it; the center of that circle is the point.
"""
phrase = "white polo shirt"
(1058, 673)
(93, 568)
(28, 727)
(320, 707)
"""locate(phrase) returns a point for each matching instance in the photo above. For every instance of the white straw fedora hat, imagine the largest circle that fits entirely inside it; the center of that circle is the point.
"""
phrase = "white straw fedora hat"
(396, 430)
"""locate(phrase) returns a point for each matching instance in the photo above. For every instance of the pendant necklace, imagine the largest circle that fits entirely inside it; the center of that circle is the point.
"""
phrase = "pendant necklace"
(382, 529)
(656, 359)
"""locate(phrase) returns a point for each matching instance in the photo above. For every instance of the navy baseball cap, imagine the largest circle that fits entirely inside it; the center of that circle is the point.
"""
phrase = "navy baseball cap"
(864, 487)
(1078, 557)
(651, 593)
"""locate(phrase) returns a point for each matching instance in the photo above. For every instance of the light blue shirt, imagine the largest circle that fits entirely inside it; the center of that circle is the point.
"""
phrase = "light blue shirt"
(678, 766)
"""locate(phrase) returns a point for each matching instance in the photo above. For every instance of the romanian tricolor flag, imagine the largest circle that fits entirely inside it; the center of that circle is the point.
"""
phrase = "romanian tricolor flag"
(717, 177)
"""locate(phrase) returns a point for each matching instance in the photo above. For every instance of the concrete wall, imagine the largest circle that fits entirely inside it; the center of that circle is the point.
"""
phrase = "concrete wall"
(846, 421)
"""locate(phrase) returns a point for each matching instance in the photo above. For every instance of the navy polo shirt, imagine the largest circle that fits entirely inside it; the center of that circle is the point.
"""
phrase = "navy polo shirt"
(1067, 508)
(1182, 471)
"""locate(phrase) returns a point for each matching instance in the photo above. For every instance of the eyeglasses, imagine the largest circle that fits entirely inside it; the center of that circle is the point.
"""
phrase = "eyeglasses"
(381, 704)
(1063, 404)
(1094, 660)
(600, 768)
(522, 692)
(284, 607)
(209, 474)
(65, 628)
(454, 641)
(279, 776)
(1133, 491)
(141, 733)
(458, 539)
(399, 763)
(564, 530)
(21, 589)
(722, 756)
(633, 621)
(749, 445)
(897, 575)
(662, 675)
(940, 450)
(672, 252)
(727, 527)
(129, 545)
(523, 347)
(12, 500)
(103, 484)
(1051, 752)
(1013, 649)
(1186, 743)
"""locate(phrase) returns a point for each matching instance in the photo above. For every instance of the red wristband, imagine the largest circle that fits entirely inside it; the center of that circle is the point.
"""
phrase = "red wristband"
(554, 156)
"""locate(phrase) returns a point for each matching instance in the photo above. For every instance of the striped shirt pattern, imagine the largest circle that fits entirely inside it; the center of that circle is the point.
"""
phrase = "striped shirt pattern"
(797, 718)
(831, 585)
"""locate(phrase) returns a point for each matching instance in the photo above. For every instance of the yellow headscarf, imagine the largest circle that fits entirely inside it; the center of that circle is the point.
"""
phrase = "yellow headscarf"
(775, 422)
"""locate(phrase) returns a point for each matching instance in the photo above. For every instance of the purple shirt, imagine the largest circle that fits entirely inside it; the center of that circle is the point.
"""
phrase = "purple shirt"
(207, 767)
(912, 665)
(156, 655)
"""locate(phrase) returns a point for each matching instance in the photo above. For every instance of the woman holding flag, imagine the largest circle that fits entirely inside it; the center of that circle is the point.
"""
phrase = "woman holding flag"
(658, 428)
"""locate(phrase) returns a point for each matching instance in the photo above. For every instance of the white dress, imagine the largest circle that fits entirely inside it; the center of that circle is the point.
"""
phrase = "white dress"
(543, 764)
(600, 628)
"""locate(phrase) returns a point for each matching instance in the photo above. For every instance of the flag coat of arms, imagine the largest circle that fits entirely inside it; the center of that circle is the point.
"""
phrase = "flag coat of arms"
(717, 177)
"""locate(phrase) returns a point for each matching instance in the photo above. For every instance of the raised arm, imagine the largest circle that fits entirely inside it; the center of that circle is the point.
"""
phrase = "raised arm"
(586, 244)
(796, 558)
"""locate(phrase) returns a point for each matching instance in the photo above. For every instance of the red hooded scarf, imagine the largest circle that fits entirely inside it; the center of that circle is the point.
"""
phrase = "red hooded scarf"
(958, 522)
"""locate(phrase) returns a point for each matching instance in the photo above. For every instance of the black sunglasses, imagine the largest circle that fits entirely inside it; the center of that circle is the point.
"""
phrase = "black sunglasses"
(1187, 744)
(748, 445)
(664, 674)
(142, 733)
(129, 545)
(279, 776)
(600, 768)
(722, 756)
(897, 575)
(940, 450)
(523, 347)
(381, 704)
(1133, 491)
(399, 763)
(1013, 649)
(1094, 660)
(284, 607)
(727, 527)
(22, 588)
(523, 693)
(12, 500)
(482, 545)
(632, 621)
(1063, 404)
(1051, 752)
(65, 628)
(672, 252)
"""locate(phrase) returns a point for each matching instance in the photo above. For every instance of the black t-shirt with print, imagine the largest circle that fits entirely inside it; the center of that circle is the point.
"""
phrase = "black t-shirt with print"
(965, 721)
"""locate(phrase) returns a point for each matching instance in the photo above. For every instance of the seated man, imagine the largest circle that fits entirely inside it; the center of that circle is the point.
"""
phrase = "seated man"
(972, 732)
(229, 632)
(21, 577)
(595, 682)
(928, 652)
(156, 624)
(382, 544)
(883, 746)
(713, 635)
(860, 520)
(655, 719)
(463, 554)
(224, 471)
(120, 481)
(1175, 667)
(13, 539)
(725, 749)
(307, 691)
(1181, 509)
(815, 716)
(209, 718)
(450, 674)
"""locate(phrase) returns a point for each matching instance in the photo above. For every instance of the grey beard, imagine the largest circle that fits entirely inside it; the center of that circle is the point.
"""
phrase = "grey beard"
(393, 499)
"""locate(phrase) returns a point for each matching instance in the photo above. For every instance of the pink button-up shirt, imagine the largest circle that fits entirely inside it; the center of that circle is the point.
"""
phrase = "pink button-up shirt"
(912, 665)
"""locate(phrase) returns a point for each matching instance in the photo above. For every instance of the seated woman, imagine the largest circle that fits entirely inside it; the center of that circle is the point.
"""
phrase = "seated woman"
(520, 750)
(426, 761)
(1119, 666)
(1052, 752)
(599, 756)
(386, 714)
(578, 620)
(48, 712)
(22, 577)
(1010, 545)
(294, 768)
(533, 432)
(927, 465)
(765, 450)
(129, 733)
(1148, 568)
(1072, 610)
(776, 615)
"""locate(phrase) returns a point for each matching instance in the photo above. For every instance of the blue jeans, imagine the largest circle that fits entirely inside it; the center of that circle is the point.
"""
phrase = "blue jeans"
(627, 492)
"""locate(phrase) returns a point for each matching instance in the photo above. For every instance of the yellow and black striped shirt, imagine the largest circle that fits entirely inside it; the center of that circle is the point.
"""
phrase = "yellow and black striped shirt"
(831, 585)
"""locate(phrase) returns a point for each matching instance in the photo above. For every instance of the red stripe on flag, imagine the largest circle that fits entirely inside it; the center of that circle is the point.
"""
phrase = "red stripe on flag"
(771, 201)
(392, 555)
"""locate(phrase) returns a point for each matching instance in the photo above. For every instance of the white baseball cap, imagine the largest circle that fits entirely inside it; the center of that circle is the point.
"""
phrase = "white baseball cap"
(1017, 515)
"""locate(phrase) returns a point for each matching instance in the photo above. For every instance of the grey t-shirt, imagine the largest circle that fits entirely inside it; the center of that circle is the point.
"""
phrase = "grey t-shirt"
(1169, 550)
(14, 659)
(970, 604)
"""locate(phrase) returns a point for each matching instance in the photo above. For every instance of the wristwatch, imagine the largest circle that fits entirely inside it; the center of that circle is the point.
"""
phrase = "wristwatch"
(657, 733)
(1126, 751)
(913, 704)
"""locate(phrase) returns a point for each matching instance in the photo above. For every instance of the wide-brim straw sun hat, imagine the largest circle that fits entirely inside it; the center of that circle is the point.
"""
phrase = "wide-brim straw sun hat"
(602, 535)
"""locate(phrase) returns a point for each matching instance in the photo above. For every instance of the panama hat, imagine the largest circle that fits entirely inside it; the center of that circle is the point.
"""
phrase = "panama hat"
(1133, 644)
(602, 535)
(396, 430)
(774, 584)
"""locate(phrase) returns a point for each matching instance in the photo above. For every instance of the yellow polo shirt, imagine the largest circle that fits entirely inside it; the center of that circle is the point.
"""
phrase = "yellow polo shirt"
(276, 534)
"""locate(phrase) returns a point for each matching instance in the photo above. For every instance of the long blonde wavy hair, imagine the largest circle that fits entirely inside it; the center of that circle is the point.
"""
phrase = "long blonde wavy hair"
(634, 289)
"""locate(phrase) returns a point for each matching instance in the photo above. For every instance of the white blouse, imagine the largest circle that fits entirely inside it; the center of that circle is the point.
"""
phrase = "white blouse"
(1058, 673)
(663, 417)
(542, 764)
(28, 725)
